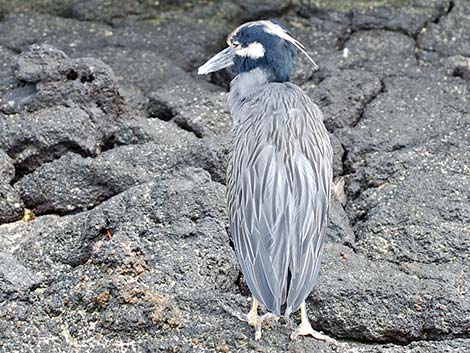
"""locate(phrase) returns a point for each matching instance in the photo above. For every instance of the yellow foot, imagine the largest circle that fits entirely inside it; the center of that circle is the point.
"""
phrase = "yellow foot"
(305, 329)
(252, 318)
(257, 321)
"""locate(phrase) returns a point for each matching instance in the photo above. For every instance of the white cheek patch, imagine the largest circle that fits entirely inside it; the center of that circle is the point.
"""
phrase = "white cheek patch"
(254, 50)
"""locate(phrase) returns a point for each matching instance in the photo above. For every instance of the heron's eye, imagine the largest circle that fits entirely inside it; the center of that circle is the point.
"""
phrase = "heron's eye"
(235, 44)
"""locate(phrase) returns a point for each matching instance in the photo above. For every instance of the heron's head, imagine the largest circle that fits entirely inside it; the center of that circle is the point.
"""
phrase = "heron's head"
(259, 44)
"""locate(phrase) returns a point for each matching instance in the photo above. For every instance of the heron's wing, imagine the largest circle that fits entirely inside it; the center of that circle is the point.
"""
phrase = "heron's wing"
(273, 182)
(313, 177)
(259, 214)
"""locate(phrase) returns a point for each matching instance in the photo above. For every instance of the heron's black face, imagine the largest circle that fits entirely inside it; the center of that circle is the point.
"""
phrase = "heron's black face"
(259, 44)
(256, 48)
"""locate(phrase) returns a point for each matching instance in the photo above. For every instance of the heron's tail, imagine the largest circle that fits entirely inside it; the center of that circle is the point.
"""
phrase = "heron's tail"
(284, 309)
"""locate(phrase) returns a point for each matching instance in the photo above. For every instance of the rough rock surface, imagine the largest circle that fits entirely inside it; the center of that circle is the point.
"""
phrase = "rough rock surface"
(11, 205)
(113, 231)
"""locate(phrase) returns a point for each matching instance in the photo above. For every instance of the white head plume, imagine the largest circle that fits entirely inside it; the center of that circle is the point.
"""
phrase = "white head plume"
(275, 29)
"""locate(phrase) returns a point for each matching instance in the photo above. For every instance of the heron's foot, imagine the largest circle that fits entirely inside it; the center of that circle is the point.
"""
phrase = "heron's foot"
(305, 329)
(252, 318)
(257, 321)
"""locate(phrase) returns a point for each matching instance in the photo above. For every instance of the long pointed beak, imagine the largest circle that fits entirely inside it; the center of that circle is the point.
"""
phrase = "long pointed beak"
(218, 62)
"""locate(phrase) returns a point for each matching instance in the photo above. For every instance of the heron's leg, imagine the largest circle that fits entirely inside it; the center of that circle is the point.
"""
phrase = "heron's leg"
(305, 329)
(257, 321)
(252, 318)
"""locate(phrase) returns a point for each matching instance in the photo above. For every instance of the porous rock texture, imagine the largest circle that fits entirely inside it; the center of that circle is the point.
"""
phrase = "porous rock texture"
(120, 150)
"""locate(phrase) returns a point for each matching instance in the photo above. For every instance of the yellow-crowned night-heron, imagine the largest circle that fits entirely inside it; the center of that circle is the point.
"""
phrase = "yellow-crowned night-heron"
(279, 174)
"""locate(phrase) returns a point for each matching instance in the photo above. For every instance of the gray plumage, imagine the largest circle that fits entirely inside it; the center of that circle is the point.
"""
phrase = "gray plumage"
(278, 184)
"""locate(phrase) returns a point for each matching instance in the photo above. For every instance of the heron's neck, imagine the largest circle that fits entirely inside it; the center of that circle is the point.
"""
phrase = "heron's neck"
(246, 84)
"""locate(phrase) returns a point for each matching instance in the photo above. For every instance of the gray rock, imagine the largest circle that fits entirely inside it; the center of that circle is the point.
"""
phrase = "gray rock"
(46, 77)
(159, 24)
(6, 72)
(11, 205)
(7, 169)
(409, 179)
(49, 245)
(339, 230)
(19, 31)
(338, 155)
(163, 35)
(450, 35)
(458, 66)
(434, 105)
(377, 301)
(14, 277)
(76, 105)
(140, 130)
(254, 9)
(92, 180)
(147, 68)
(212, 153)
(33, 139)
(409, 17)
(415, 208)
(57, 7)
(444, 346)
(112, 11)
(192, 108)
(342, 97)
(135, 99)
(379, 51)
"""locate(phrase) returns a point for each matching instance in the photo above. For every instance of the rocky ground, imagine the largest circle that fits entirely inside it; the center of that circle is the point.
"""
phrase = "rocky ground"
(107, 134)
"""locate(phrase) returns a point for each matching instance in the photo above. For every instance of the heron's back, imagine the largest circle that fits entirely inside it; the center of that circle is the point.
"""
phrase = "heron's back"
(278, 185)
